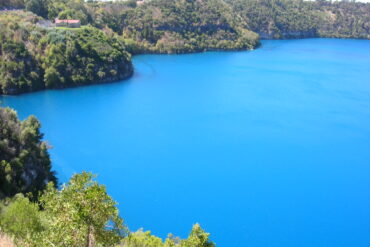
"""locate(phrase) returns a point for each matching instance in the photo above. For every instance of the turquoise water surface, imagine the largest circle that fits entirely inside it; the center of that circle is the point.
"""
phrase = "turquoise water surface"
(263, 148)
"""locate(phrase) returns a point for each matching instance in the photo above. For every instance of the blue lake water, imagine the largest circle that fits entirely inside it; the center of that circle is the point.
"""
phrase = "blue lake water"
(263, 148)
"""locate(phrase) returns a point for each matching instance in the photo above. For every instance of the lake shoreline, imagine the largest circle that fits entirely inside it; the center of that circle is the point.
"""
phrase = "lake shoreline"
(132, 71)
(280, 135)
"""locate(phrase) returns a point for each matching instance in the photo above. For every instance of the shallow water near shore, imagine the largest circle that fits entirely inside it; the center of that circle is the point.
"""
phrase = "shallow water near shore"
(263, 148)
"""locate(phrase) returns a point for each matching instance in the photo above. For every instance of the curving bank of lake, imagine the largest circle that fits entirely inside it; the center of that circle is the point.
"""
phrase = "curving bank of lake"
(263, 148)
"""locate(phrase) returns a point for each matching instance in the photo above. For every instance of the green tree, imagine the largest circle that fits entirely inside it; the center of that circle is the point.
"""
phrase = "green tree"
(39, 7)
(197, 238)
(141, 238)
(81, 213)
(17, 4)
(53, 78)
(20, 218)
(24, 160)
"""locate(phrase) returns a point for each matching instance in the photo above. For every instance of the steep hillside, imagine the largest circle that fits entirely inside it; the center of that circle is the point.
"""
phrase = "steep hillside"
(277, 19)
(24, 160)
(168, 26)
(34, 56)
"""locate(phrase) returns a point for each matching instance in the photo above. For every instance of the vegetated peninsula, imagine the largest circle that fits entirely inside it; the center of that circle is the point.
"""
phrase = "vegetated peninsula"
(36, 55)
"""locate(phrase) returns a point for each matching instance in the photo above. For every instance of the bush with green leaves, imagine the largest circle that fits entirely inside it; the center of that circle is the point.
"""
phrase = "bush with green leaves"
(277, 19)
(34, 57)
(21, 218)
(11, 4)
(197, 238)
(25, 165)
(176, 26)
(80, 212)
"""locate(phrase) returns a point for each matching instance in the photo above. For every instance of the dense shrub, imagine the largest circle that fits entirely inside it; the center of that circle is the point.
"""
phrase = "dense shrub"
(33, 57)
(167, 26)
(24, 160)
(275, 19)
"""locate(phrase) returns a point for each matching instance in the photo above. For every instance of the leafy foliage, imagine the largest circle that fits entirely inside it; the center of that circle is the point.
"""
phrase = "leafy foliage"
(167, 26)
(162, 26)
(39, 7)
(33, 57)
(11, 4)
(197, 238)
(24, 160)
(141, 238)
(21, 218)
(81, 212)
(299, 19)
(62, 9)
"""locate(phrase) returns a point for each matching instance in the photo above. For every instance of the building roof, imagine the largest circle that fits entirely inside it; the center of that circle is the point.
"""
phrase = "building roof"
(67, 21)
